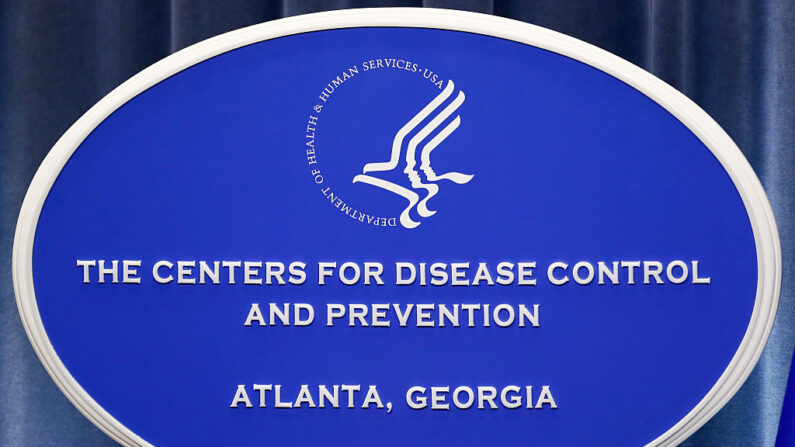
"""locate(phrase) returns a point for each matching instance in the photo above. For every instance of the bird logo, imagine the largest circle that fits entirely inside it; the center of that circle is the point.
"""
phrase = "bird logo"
(421, 190)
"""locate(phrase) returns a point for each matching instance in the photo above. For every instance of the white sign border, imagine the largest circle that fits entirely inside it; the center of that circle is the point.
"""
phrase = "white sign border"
(766, 237)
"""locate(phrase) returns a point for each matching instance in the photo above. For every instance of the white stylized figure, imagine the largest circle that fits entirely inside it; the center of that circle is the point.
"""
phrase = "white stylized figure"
(425, 164)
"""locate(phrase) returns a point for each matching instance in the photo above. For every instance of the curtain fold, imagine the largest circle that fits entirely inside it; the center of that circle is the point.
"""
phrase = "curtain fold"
(735, 58)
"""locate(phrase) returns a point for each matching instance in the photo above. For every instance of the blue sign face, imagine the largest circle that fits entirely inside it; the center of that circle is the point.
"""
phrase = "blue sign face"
(396, 235)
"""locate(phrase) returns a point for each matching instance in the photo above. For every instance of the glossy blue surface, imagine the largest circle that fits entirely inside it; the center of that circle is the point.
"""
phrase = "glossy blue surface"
(569, 164)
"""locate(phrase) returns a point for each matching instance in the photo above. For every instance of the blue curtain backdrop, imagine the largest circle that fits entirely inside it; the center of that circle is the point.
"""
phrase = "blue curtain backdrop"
(735, 58)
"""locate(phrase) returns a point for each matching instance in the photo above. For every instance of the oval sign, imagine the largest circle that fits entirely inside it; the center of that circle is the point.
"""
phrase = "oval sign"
(396, 226)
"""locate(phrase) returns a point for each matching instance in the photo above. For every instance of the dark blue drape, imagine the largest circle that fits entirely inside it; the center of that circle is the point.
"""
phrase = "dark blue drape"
(735, 58)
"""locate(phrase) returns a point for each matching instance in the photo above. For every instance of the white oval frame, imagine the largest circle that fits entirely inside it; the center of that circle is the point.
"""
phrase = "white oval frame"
(707, 130)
